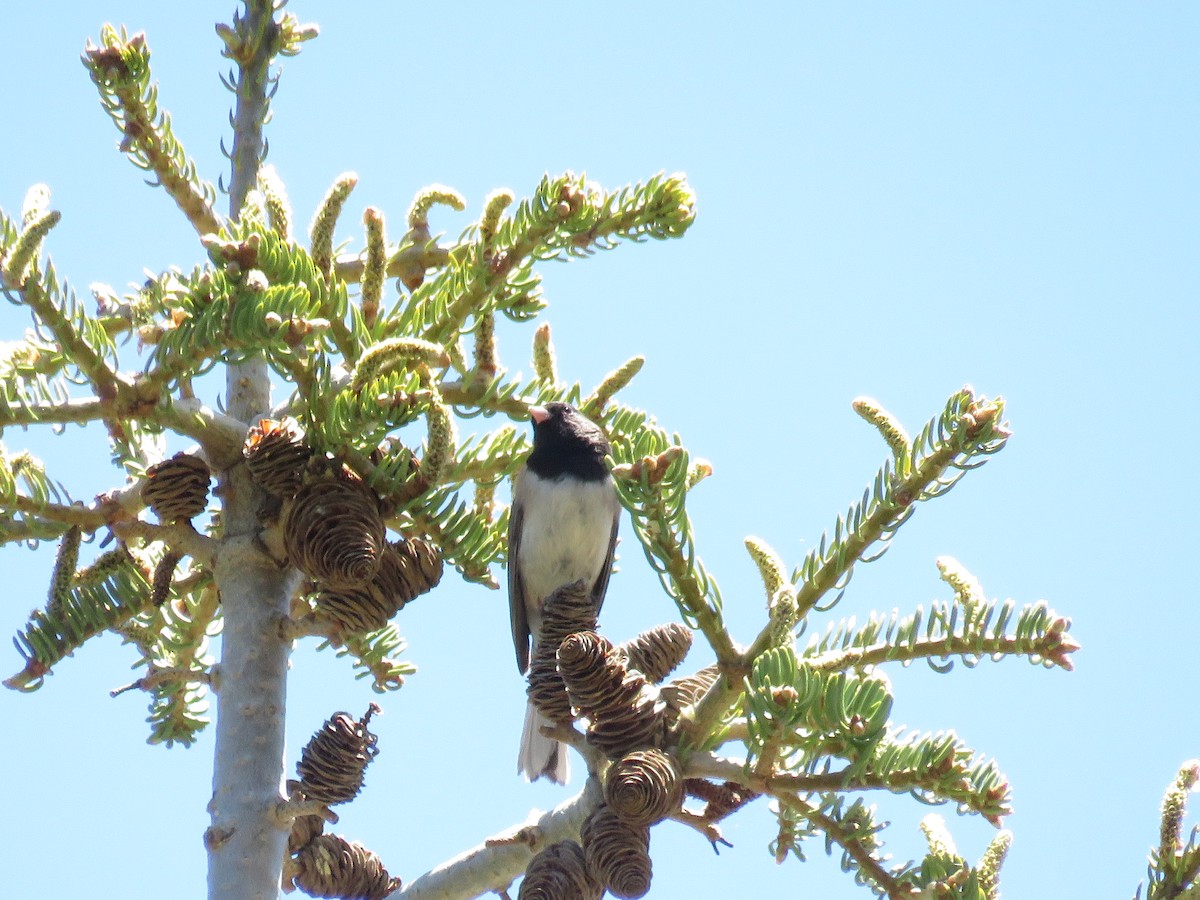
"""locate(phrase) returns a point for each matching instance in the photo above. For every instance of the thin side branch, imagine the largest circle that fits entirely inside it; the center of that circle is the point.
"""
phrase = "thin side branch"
(182, 537)
(867, 863)
(74, 411)
(962, 645)
(104, 380)
(350, 266)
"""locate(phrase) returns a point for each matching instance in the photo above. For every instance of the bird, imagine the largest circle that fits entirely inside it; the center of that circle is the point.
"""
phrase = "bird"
(562, 529)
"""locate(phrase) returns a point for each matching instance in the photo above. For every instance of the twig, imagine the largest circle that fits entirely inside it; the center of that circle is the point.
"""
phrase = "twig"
(965, 645)
(350, 267)
(157, 676)
(75, 410)
(697, 822)
(868, 864)
(183, 537)
(106, 383)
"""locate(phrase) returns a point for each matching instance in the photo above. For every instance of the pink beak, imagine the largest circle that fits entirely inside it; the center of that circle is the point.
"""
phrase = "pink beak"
(539, 414)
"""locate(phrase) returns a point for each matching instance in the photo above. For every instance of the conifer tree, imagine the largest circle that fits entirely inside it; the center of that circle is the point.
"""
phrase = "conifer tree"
(324, 523)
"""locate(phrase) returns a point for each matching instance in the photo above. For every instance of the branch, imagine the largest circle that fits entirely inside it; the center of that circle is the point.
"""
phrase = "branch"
(708, 765)
(106, 510)
(349, 267)
(88, 518)
(37, 294)
(158, 675)
(566, 216)
(120, 69)
(29, 530)
(871, 867)
(116, 589)
(74, 411)
(493, 865)
(182, 537)
(969, 627)
(970, 426)
(651, 478)
(220, 435)
(1053, 646)
(481, 395)
(251, 48)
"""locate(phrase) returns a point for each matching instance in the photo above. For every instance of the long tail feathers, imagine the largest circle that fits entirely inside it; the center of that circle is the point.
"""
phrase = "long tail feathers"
(539, 755)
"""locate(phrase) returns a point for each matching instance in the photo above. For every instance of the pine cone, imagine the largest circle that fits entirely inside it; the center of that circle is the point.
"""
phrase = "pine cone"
(583, 661)
(276, 456)
(331, 866)
(333, 762)
(617, 853)
(559, 872)
(638, 725)
(415, 567)
(657, 652)
(164, 576)
(333, 533)
(721, 800)
(644, 787)
(683, 692)
(177, 488)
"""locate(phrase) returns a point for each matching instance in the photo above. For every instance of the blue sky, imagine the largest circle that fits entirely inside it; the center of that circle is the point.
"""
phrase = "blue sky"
(893, 200)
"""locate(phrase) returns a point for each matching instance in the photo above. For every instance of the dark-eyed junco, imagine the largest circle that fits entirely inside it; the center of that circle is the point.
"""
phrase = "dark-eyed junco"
(562, 529)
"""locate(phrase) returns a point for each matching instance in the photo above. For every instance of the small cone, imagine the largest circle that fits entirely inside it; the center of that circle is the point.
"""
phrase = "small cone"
(333, 762)
(333, 533)
(276, 456)
(177, 488)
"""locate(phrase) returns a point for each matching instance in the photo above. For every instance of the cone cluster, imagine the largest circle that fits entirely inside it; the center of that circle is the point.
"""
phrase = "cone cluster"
(604, 676)
(177, 488)
(614, 857)
(575, 672)
(331, 771)
(333, 531)
(568, 610)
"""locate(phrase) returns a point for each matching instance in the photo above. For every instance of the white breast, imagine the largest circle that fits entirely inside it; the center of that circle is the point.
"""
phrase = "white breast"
(565, 532)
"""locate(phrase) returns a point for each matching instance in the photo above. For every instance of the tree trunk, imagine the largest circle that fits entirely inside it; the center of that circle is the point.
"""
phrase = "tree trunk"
(247, 840)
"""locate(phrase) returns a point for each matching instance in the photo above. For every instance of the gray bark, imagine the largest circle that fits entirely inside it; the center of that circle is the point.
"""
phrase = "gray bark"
(493, 865)
(247, 839)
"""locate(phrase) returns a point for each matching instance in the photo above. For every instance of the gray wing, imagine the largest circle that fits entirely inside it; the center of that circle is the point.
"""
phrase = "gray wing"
(516, 589)
(600, 588)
